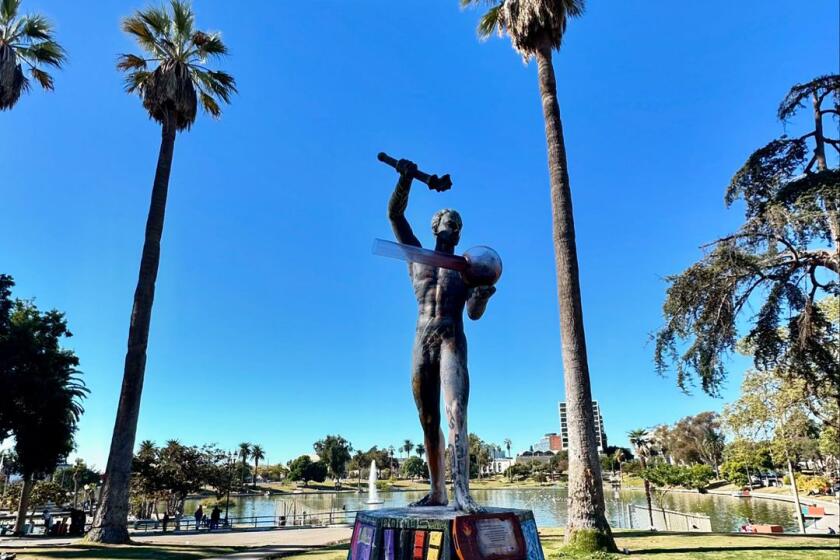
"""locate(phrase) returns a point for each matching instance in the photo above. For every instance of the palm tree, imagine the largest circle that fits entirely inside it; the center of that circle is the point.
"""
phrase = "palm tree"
(536, 28)
(508, 445)
(244, 453)
(28, 40)
(408, 446)
(640, 440)
(618, 457)
(420, 449)
(258, 454)
(171, 92)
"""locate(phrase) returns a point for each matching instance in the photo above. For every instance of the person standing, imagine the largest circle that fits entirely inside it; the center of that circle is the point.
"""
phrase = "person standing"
(165, 520)
(199, 515)
(215, 515)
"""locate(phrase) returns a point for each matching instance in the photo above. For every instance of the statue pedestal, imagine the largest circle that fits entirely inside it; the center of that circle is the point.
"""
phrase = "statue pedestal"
(444, 533)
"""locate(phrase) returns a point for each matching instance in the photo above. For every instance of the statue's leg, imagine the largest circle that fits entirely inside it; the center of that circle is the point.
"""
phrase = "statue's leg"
(456, 393)
(425, 382)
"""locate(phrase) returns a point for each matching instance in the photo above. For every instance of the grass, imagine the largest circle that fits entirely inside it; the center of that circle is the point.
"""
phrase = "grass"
(641, 545)
(125, 552)
(673, 546)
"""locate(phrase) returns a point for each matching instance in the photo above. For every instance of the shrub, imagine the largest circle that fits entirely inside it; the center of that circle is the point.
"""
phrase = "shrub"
(809, 484)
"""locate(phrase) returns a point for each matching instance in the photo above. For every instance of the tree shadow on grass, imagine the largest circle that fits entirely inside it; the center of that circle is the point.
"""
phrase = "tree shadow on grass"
(696, 549)
(130, 552)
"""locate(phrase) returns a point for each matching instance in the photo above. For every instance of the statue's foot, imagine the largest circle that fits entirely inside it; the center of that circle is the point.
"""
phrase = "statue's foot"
(431, 499)
(464, 502)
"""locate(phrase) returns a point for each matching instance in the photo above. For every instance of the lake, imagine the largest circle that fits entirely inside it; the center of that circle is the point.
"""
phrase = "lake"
(548, 504)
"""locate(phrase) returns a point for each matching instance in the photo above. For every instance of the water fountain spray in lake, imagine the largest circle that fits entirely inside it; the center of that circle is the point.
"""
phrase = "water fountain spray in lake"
(373, 492)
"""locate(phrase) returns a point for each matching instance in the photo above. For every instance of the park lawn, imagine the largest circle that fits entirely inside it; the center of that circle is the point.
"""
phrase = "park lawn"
(673, 546)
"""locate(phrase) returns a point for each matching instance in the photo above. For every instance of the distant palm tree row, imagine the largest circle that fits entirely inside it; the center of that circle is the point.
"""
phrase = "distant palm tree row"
(172, 78)
(254, 451)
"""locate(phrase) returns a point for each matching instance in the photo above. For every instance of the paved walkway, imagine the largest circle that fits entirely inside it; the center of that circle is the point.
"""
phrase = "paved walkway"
(832, 509)
(264, 543)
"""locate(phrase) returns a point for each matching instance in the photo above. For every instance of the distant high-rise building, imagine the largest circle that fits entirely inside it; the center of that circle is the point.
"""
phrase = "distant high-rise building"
(549, 442)
(600, 434)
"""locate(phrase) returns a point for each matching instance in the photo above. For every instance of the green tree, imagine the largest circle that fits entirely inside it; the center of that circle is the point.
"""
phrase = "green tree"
(786, 257)
(29, 40)
(771, 407)
(303, 468)
(8, 379)
(258, 455)
(415, 467)
(518, 471)
(359, 462)
(334, 452)
(742, 458)
(536, 28)
(694, 439)
(479, 456)
(171, 92)
(420, 449)
(663, 477)
(76, 476)
(46, 393)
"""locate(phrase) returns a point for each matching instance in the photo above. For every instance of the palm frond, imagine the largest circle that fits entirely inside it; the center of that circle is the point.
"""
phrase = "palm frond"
(491, 23)
(36, 27)
(208, 45)
(127, 62)
(145, 37)
(157, 20)
(43, 78)
(220, 84)
(209, 104)
(134, 81)
(476, 3)
(44, 52)
(183, 18)
(8, 10)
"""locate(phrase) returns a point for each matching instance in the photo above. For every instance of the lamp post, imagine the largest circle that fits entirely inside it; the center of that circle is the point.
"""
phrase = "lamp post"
(230, 482)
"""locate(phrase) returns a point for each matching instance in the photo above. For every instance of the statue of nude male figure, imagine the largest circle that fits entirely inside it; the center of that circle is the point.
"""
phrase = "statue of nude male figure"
(440, 347)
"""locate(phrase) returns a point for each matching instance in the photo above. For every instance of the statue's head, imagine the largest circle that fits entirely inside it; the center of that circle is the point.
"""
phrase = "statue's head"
(446, 225)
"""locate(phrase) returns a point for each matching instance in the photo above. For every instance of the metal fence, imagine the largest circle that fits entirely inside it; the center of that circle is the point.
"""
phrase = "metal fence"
(300, 520)
(667, 520)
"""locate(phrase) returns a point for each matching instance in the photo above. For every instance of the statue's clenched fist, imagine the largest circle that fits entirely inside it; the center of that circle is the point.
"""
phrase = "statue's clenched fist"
(406, 168)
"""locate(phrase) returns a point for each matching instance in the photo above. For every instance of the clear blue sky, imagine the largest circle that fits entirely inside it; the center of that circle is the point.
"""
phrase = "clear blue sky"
(273, 323)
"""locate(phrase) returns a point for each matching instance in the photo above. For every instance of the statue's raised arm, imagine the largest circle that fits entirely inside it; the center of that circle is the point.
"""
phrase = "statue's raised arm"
(398, 203)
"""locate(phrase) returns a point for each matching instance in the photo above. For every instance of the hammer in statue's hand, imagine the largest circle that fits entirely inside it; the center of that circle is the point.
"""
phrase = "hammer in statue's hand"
(405, 167)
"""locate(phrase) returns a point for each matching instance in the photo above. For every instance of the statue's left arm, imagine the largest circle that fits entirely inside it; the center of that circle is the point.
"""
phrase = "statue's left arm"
(477, 301)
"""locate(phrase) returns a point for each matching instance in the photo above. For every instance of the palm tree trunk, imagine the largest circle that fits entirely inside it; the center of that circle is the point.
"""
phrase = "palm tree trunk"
(254, 478)
(110, 525)
(586, 493)
(647, 492)
(25, 492)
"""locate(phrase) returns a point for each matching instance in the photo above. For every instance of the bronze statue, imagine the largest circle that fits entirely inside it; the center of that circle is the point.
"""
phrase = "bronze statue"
(440, 347)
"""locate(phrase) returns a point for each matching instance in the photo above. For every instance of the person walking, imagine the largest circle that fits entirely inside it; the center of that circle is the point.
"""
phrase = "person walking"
(199, 515)
(47, 522)
(215, 515)
(165, 520)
